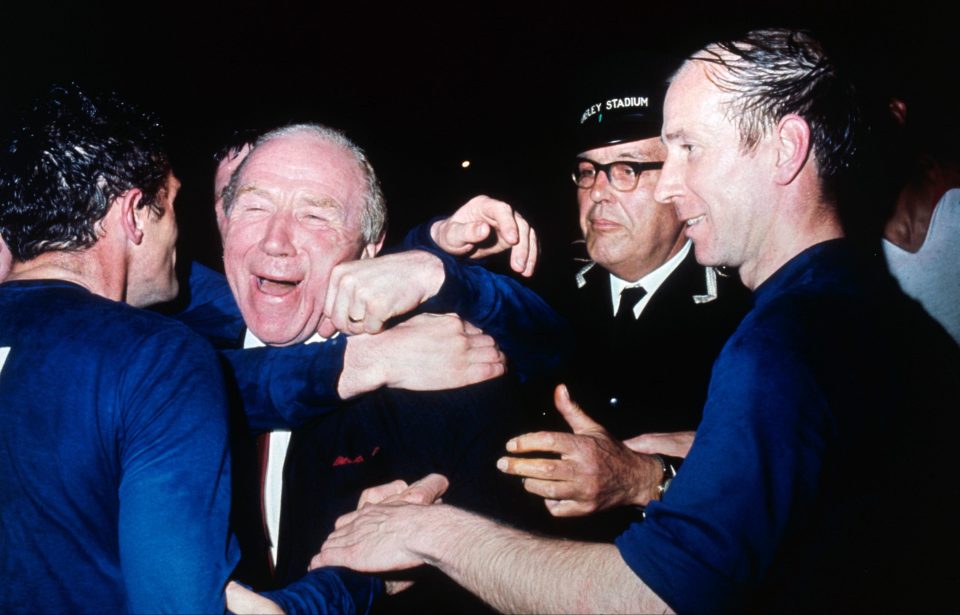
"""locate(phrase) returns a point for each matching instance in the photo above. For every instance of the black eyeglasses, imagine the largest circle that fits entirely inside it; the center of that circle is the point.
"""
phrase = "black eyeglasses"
(623, 175)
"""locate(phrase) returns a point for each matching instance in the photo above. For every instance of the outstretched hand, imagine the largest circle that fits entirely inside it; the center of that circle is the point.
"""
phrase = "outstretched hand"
(378, 536)
(485, 226)
(425, 491)
(595, 471)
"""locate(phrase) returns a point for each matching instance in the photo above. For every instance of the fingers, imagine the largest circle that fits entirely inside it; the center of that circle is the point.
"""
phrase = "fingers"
(569, 508)
(347, 304)
(542, 441)
(576, 418)
(375, 495)
(326, 328)
(427, 490)
(536, 469)
(502, 217)
(461, 237)
(481, 372)
(673, 444)
(532, 255)
(523, 249)
(346, 519)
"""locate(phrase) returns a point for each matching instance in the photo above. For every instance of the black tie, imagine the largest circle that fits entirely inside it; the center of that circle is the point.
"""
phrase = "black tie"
(628, 300)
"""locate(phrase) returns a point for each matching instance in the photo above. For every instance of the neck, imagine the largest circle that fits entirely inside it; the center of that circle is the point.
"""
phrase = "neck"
(907, 227)
(83, 268)
(797, 226)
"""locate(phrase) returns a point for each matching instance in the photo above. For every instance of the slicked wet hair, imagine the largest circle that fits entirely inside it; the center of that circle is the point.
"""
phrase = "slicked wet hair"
(373, 218)
(776, 72)
(66, 161)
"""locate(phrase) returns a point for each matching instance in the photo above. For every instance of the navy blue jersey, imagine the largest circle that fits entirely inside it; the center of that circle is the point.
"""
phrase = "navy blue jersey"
(822, 477)
(114, 469)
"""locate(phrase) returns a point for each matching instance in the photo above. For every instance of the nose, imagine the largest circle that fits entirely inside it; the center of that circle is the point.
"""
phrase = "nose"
(277, 238)
(600, 190)
(669, 186)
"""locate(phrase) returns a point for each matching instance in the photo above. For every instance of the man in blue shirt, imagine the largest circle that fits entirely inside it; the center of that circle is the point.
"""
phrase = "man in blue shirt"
(114, 468)
(820, 477)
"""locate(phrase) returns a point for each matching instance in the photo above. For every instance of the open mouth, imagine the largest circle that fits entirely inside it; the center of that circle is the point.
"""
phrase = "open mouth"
(276, 288)
(694, 221)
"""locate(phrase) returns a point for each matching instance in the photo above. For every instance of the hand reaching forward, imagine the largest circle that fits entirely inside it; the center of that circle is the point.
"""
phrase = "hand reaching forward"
(425, 491)
(377, 536)
(363, 294)
(595, 471)
(429, 352)
(468, 231)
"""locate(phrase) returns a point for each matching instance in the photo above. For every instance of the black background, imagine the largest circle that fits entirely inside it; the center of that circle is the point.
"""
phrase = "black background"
(421, 87)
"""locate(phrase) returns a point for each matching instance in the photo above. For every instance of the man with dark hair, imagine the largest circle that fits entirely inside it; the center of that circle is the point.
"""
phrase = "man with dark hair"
(818, 412)
(114, 463)
(114, 472)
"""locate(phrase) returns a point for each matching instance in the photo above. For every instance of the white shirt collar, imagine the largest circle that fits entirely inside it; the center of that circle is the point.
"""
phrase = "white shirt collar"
(650, 282)
(252, 341)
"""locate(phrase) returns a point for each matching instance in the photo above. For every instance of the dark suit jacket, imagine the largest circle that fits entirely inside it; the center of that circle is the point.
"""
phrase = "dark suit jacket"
(651, 375)
(379, 437)
(648, 376)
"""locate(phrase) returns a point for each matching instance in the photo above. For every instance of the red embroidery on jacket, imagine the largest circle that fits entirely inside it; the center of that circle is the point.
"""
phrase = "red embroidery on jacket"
(341, 460)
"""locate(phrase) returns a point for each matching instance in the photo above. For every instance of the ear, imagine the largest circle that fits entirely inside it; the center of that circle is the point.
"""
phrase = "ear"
(131, 218)
(372, 249)
(793, 148)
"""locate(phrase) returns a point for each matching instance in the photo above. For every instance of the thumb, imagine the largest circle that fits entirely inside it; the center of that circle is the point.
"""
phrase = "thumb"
(326, 328)
(461, 236)
(475, 232)
(576, 418)
(426, 490)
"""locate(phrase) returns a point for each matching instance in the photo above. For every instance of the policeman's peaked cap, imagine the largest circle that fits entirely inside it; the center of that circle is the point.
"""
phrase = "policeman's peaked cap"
(622, 108)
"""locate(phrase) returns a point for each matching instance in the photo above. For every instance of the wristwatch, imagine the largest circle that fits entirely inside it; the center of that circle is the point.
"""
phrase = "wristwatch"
(669, 471)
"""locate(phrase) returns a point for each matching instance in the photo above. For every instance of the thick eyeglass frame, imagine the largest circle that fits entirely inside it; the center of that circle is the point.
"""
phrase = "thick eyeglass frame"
(636, 167)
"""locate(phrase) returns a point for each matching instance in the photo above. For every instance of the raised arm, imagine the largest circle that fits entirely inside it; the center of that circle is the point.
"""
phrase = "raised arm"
(285, 387)
(532, 335)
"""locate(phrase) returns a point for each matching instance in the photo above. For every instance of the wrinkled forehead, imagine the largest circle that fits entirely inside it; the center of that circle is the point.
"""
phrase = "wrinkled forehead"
(305, 166)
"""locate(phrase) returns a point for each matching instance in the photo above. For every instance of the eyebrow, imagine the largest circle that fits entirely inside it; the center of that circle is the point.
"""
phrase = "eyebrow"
(257, 191)
(673, 136)
(324, 202)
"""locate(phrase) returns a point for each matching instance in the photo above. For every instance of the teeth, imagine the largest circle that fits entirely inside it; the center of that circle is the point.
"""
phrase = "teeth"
(275, 287)
(693, 221)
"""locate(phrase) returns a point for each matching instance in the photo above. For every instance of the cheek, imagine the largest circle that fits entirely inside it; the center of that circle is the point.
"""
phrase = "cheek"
(584, 205)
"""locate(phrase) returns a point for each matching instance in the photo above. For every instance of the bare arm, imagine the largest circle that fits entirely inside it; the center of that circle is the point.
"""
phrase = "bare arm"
(511, 570)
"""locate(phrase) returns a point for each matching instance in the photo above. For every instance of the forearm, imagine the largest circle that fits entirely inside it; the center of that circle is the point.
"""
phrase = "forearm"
(518, 572)
(529, 331)
(285, 387)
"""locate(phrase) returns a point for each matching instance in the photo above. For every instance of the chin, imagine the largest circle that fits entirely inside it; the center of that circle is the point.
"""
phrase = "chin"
(275, 336)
